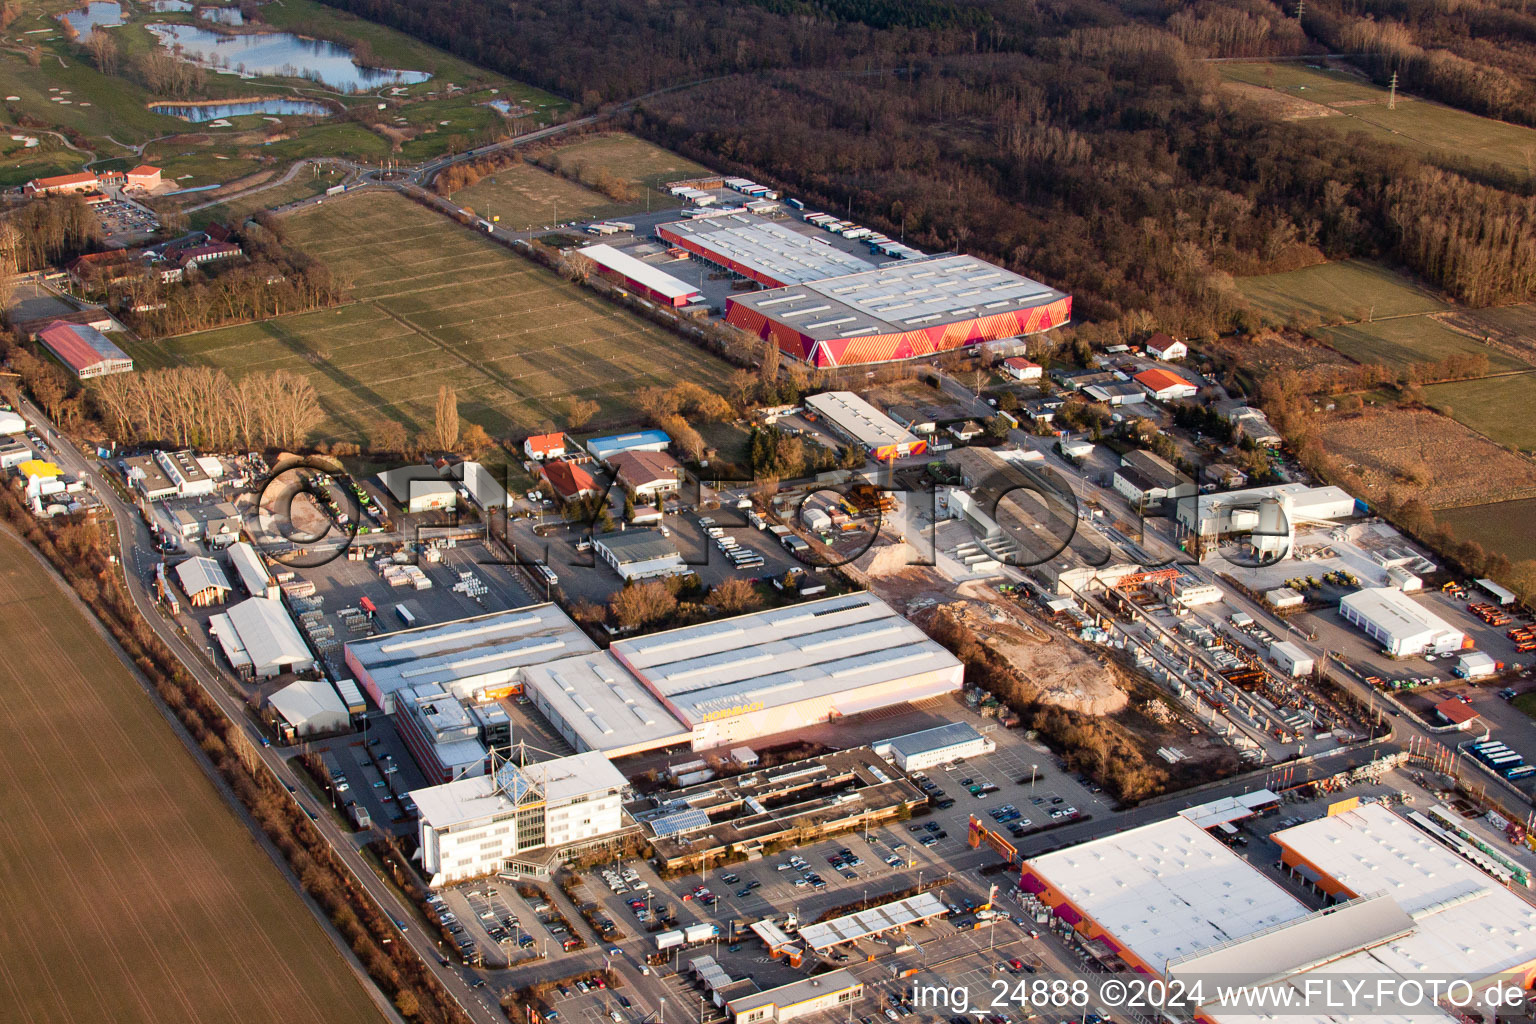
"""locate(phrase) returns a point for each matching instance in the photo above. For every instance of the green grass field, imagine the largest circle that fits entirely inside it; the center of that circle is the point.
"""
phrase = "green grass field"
(1397, 342)
(525, 196)
(1337, 292)
(1358, 105)
(631, 159)
(1499, 407)
(436, 303)
(130, 891)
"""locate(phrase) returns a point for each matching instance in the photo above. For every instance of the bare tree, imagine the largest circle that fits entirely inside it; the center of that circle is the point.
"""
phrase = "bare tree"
(446, 419)
(579, 412)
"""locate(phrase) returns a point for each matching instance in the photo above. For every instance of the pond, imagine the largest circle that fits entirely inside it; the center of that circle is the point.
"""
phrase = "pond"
(169, 6)
(213, 111)
(222, 15)
(101, 13)
(253, 54)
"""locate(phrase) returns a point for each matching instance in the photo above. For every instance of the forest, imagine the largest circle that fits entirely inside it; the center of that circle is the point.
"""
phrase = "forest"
(1084, 144)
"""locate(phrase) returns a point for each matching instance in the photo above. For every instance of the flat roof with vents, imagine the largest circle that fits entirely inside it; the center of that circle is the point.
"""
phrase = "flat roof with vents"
(900, 296)
(764, 250)
(1167, 890)
(466, 654)
(815, 651)
(597, 705)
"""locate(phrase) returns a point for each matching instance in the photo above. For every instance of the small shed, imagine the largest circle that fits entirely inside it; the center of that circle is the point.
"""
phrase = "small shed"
(1457, 712)
(1290, 659)
(1476, 665)
(1284, 597)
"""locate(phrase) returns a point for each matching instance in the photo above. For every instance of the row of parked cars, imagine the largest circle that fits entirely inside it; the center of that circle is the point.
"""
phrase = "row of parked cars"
(457, 934)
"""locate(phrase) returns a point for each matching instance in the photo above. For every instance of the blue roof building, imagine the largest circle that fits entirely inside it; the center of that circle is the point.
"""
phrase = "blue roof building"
(604, 448)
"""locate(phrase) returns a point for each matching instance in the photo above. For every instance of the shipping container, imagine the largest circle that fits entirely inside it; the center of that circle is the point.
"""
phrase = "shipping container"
(406, 615)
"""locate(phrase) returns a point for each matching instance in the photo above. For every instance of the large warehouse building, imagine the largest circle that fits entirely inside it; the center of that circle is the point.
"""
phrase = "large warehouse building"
(734, 680)
(640, 277)
(483, 824)
(1169, 900)
(854, 419)
(84, 350)
(760, 250)
(1403, 627)
(901, 310)
(595, 704)
(259, 638)
(479, 657)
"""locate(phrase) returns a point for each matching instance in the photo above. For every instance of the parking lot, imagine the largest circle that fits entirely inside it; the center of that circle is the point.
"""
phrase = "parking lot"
(122, 220)
(379, 773)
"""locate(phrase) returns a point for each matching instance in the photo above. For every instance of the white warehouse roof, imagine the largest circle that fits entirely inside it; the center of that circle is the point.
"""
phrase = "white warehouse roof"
(466, 654)
(201, 573)
(816, 650)
(1469, 925)
(1398, 616)
(310, 704)
(598, 705)
(1167, 889)
(656, 280)
(268, 634)
(766, 248)
(859, 420)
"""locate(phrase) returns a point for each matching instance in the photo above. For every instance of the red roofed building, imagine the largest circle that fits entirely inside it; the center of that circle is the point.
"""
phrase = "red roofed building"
(85, 350)
(1166, 386)
(144, 176)
(1020, 368)
(61, 184)
(570, 481)
(545, 446)
(1456, 712)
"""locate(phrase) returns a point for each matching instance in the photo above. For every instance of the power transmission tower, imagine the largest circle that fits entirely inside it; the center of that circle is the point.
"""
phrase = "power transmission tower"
(1392, 95)
(1301, 8)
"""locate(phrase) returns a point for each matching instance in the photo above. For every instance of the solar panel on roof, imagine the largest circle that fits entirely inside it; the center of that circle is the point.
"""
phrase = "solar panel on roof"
(678, 822)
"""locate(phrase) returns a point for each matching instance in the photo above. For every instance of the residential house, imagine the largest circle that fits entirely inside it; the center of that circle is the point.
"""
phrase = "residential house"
(1020, 368)
(1167, 348)
(569, 481)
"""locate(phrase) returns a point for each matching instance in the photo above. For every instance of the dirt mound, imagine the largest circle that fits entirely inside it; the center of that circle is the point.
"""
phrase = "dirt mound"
(1067, 675)
(885, 559)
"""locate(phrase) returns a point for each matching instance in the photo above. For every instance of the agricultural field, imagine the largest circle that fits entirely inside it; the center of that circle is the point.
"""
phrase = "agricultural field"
(524, 197)
(130, 891)
(1400, 341)
(1343, 101)
(1419, 453)
(1503, 527)
(1498, 407)
(629, 159)
(1509, 329)
(1338, 292)
(436, 303)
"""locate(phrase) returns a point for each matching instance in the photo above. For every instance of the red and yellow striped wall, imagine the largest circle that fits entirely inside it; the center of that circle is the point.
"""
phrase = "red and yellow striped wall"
(880, 348)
